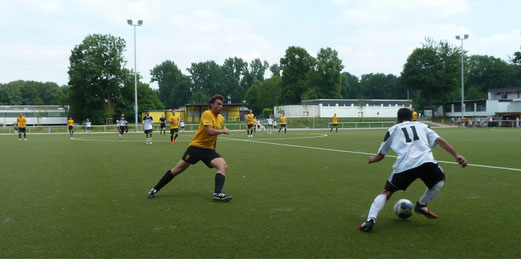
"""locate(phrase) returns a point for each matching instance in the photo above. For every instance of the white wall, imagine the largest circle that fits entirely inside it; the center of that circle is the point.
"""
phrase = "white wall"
(325, 111)
(297, 111)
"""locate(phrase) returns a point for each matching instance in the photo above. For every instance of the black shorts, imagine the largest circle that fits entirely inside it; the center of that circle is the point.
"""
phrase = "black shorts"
(121, 129)
(282, 125)
(195, 154)
(21, 129)
(335, 125)
(250, 126)
(163, 126)
(430, 173)
(173, 131)
(71, 127)
(148, 131)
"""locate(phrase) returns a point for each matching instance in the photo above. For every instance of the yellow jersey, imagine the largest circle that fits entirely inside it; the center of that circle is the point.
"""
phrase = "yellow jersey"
(335, 120)
(70, 122)
(254, 121)
(282, 119)
(201, 138)
(414, 116)
(21, 121)
(174, 121)
(249, 118)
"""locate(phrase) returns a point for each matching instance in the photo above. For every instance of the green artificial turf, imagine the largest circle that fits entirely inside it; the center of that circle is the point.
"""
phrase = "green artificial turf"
(296, 195)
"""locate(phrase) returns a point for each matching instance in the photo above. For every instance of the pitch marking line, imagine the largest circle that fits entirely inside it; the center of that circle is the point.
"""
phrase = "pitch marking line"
(365, 153)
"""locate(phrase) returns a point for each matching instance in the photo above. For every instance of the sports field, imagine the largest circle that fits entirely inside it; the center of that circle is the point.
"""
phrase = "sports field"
(298, 195)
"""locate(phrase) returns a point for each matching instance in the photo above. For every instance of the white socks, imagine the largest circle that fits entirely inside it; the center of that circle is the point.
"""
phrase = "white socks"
(431, 193)
(377, 206)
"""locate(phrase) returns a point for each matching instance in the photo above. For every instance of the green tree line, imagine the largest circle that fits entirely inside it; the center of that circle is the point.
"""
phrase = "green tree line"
(101, 87)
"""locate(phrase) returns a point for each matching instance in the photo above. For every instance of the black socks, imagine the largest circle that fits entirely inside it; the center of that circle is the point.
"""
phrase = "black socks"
(166, 179)
(219, 183)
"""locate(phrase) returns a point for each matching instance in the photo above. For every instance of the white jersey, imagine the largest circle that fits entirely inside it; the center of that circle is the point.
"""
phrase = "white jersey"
(182, 124)
(121, 122)
(270, 121)
(87, 124)
(412, 142)
(148, 122)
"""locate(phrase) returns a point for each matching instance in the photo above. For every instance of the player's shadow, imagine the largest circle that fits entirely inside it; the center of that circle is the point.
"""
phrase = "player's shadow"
(409, 224)
(184, 196)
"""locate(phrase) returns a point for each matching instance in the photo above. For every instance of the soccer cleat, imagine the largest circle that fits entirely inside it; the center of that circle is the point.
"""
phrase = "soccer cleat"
(221, 197)
(25, 139)
(367, 226)
(19, 139)
(423, 209)
(152, 193)
(175, 141)
(150, 142)
(171, 142)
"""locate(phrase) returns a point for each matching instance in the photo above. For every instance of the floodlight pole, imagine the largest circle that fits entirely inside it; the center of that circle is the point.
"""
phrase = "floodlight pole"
(139, 23)
(466, 36)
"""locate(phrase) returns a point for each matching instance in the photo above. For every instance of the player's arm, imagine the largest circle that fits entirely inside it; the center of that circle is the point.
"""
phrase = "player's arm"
(445, 145)
(212, 131)
(377, 158)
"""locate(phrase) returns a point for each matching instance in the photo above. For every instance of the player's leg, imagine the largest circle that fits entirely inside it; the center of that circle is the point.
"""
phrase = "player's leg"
(19, 135)
(377, 206)
(25, 136)
(176, 135)
(220, 176)
(150, 136)
(169, 175)
(434, 178)
(172, 136)
(285, 129)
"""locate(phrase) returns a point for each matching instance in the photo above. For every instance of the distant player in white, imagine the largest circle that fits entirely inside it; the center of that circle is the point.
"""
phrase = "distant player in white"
(270, 124)
(148, 123)
(88, 124)
(412, 142)
(121, 125)
(182, 125)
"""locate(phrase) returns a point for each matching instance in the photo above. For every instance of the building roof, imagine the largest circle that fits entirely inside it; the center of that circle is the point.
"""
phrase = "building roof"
(34, 107)
(356, 101)
(514, 88)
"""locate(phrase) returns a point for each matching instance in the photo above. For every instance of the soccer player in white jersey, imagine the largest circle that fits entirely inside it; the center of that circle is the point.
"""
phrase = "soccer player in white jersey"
(88, 124)
(270, 124)
(412, 142)
(121, 125)
(148, 124)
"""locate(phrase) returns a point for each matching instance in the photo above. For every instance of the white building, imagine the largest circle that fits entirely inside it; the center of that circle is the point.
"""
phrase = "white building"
(500, 100)
(344, 108)
(35, 114)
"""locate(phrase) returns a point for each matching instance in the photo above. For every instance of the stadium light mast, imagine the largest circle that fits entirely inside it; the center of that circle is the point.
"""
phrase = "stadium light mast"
(466, 36)
(139, 23)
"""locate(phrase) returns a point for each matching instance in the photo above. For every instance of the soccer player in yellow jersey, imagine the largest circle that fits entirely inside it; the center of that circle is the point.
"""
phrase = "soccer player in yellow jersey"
(202, 148)
(414, 115)
(70, 123)
(21, 121)
(255, 124)
(335, 123)
(283, 123)
(249, 122)
(174, 127)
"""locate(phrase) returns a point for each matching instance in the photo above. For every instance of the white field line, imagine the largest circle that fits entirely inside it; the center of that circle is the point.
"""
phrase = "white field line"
(364, 153)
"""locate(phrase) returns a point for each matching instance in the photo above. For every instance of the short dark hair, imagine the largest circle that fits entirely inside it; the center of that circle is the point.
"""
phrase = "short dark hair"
(215, 97)
(404, 114)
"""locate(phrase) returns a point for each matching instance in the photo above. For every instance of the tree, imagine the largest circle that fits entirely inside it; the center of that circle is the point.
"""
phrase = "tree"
(174, 87)
(486, 72)
(96, 77)
(208, 80)
(350, 87)
(234, 71)
(328, 79)
(381, 86)
(295, 66)
(31, 93)
(264, 94)
(433, 69)
(275, 70)
(147, 98)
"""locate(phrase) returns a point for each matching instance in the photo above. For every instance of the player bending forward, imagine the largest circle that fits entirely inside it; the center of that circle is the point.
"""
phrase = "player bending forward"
(202, 148)
(412, 142)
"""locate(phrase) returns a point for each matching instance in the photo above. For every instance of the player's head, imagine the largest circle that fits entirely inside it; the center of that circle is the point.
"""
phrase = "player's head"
(122, 115)
(216, 103)
(87, 119)
(335, 114)
(173, 112)
(70, 118)
(148, 112)
(21, 114)
(404, 114)
(251, 111)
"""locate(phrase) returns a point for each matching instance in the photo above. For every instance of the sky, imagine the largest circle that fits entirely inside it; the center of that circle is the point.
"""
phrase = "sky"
(371, 36)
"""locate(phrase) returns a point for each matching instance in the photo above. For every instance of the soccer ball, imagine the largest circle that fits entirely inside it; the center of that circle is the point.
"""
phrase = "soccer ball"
(403, 208)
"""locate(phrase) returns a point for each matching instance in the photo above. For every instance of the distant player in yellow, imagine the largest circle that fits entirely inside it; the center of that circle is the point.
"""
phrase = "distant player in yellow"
(249, 122)
(255, 124)
(70, 124)
(174, 127)
(21, 121)
(414, 115)
(202, 148)
(335, 123)
(283, 123)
